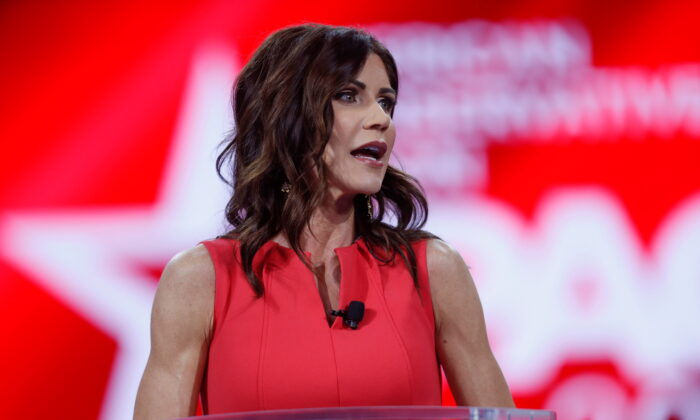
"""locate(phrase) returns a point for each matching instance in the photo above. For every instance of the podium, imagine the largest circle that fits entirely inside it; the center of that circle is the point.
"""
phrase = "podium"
(390, 412)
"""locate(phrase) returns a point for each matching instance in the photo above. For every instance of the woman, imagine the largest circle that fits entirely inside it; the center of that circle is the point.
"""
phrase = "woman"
(249, 319)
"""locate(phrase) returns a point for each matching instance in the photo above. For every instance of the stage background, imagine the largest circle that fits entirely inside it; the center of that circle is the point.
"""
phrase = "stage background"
(558, 142)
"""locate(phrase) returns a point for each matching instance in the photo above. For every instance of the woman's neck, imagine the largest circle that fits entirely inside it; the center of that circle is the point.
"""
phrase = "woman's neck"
(331, 226)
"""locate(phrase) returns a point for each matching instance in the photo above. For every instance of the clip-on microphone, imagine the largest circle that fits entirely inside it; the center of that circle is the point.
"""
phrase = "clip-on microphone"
(352, 315)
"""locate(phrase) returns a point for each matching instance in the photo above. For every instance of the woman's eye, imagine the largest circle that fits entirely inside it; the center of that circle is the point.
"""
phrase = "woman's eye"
(387, 104)
(346, 96)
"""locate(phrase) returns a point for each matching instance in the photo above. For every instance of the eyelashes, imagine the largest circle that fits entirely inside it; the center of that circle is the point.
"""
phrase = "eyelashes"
(389, 103)
(349, 96)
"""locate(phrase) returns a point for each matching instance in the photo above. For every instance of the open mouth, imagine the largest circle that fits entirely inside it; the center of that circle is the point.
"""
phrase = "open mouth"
(373, 151)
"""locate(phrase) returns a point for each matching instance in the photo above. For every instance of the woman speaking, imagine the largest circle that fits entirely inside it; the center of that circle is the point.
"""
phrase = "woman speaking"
(313, 299)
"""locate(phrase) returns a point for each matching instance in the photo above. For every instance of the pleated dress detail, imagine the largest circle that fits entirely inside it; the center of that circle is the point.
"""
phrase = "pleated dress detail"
(278, 351)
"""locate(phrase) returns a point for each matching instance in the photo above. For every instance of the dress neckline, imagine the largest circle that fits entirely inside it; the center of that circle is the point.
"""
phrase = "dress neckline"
(357, 242)
(348, 257)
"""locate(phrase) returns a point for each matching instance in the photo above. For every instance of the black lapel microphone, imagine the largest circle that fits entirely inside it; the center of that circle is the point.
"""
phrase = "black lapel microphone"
(353, 314)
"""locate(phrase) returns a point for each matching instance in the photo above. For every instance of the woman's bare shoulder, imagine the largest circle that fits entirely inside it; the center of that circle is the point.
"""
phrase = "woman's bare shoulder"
(451, 285)
(443, 259)
(186, 288)
(191, 267)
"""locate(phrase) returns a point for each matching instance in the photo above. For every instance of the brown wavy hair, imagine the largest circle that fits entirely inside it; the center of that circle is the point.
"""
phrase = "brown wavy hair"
(283, 120)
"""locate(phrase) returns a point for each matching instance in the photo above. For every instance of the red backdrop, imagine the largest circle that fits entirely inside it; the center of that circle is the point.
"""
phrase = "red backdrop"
(558, 141)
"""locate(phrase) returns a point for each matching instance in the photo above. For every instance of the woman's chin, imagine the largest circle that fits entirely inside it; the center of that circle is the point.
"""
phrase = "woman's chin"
(369, 190)
(350, 192)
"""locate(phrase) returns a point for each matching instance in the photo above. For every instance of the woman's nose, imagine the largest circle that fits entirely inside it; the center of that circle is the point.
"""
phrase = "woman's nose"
(377, 118)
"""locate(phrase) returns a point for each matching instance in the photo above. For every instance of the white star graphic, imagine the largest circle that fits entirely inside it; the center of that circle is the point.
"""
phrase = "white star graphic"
(85, 257)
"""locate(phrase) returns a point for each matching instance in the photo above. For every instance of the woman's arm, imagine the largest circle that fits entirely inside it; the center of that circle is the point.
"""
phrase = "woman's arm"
(181, 323)
(463, 348)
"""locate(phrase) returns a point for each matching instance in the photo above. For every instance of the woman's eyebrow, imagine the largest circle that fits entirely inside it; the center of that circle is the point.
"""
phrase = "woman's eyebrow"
(363, 86)
(359, 84)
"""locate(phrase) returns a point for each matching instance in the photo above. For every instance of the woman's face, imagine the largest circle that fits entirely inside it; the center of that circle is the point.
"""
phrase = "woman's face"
(357, 153)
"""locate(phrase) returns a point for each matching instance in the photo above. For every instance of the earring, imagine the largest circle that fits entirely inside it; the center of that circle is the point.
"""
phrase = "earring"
(286, 187)
(369, 207)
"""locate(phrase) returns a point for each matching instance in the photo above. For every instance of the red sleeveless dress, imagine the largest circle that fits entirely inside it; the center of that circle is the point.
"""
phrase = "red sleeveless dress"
(278, 351)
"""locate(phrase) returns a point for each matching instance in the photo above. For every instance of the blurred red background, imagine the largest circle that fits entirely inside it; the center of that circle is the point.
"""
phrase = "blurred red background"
(592, 141)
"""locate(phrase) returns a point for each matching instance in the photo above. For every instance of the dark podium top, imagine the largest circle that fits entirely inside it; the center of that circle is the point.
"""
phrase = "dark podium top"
(395, 412)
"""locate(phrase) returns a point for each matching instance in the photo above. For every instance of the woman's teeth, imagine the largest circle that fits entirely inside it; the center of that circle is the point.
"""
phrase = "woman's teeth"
(366, 157)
